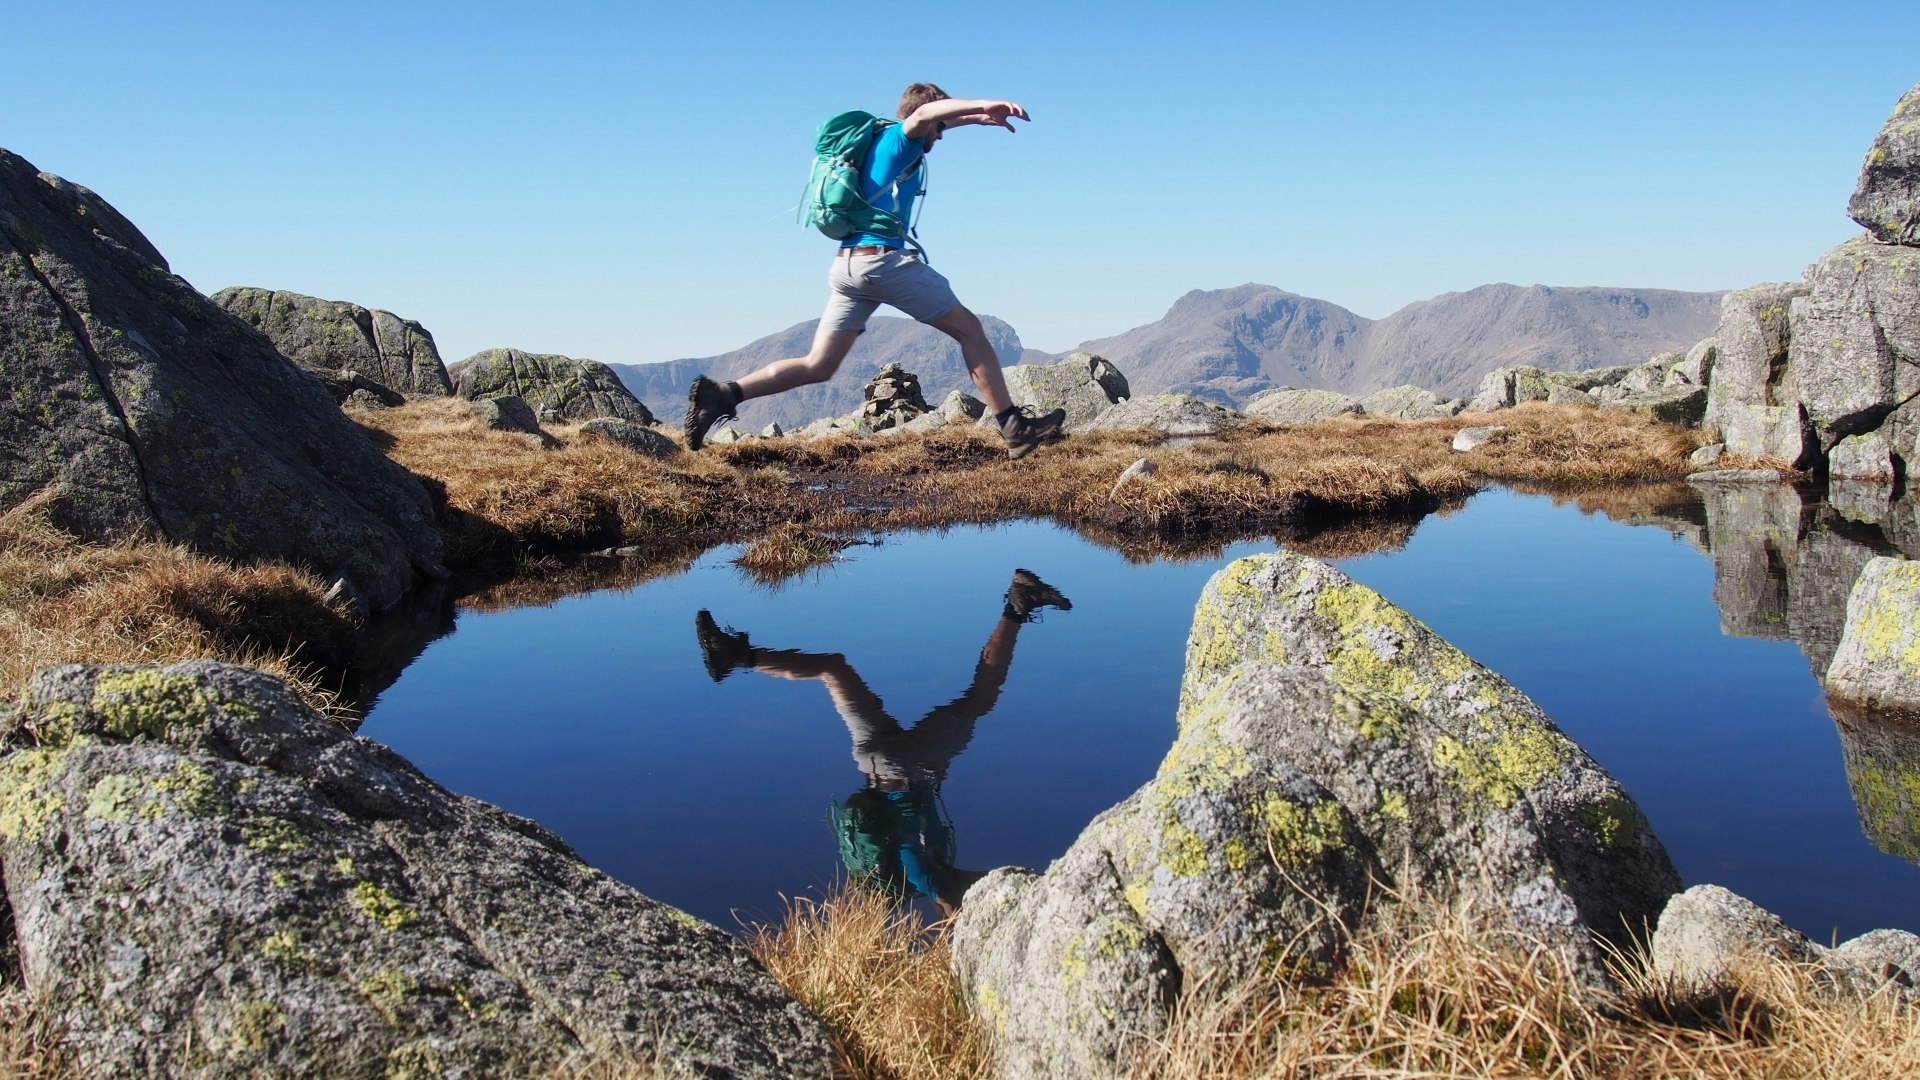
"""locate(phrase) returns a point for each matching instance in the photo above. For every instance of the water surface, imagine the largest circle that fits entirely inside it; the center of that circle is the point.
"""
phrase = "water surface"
(595, 715)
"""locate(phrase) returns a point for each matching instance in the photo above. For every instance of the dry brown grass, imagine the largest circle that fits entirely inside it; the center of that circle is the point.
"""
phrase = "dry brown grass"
(881, 982)
(1428, 992)
(788, 550)
(64, 602)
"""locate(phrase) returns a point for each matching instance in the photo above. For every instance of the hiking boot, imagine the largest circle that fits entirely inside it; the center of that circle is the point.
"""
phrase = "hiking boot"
(724, 651)
(1029, 594)
(708, 403)
(1026, 433)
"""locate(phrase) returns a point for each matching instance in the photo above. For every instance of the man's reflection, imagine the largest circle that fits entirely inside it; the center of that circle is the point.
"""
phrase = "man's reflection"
(893, 832)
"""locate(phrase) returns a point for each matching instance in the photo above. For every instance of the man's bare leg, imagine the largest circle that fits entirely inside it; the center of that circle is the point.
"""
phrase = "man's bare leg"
(830, 347)
(964, 327)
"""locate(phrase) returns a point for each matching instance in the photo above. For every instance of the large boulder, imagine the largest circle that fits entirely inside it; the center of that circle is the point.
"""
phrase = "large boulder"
(1887, 198)
(1754, 395)
(1325, 738)
(1856, 343)
(140, 408)
(1878, 661)
(332, 336)
(1290, 405)
(1503, 388)
(1083, 384)
(1168, 414)
(1408, 403)
(560, 388)
(208, 878)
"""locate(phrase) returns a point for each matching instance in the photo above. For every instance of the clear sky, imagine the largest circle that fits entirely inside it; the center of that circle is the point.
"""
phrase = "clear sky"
(617, 181)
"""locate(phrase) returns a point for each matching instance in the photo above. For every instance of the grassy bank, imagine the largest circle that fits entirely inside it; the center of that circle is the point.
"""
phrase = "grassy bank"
(1427, 992)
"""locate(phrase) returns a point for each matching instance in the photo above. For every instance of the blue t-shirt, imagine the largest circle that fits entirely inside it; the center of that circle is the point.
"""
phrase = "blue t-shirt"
(893, 155)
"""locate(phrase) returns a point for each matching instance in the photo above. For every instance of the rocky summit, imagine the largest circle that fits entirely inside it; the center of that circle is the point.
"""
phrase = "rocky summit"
(560, 388)
(140, 408)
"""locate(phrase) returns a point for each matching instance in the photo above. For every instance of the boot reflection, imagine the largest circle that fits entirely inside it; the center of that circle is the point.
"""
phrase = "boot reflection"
(894, 834)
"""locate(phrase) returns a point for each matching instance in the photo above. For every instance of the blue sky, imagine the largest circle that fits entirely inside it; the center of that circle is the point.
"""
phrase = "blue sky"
(616, 181)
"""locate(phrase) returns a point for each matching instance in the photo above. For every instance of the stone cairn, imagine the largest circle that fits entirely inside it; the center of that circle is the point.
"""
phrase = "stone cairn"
(892, 399)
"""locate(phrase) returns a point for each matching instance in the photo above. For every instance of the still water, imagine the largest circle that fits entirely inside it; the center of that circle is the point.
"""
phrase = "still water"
(596, 715)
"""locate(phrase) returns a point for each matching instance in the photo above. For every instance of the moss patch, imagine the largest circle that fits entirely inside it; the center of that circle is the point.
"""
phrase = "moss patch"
(380, 906)
(146, 704)
(1297, 835)
(29, 796)
(1515, 757)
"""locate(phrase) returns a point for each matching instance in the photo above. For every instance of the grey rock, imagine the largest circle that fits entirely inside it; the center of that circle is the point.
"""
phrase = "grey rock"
(1567, 395)
(959, 408)
(1753, 397)
(1083, 384)
(142, 409)
(1169, 414)
(1505, 387)
(635, 437)
(1886, 200)
(1139, 470)
(1325, 738)
(208, 878)
(1770, 477)
(1684, 405)
(1888, 957)
(1473, 438)
(573, 389)
(1707, 933)
(1856, 340)
(507, 413)
(1290, 405)
(771, 431)
(1406, 403)
(1862, 457)
(1707, 454)
(1697, 368)
(1878, 661)
(1869, 502)
(352, 387)
(327, 336)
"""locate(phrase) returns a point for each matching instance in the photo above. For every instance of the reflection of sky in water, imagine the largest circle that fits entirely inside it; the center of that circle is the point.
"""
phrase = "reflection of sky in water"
(595, 717)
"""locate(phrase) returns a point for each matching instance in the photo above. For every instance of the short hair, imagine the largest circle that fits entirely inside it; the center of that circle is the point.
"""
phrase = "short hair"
(917, 95)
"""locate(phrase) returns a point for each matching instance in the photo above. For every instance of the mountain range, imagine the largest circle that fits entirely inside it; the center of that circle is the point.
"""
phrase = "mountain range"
(1225, 345)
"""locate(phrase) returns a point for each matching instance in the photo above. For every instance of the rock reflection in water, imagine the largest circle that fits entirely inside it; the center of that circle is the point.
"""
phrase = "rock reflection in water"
(1882, 754)
(893, 833)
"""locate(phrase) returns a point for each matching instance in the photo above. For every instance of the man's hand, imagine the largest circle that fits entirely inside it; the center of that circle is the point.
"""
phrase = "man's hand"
(1002, 114)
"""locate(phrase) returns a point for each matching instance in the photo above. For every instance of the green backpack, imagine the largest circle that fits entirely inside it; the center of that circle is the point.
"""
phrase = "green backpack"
(832, 201)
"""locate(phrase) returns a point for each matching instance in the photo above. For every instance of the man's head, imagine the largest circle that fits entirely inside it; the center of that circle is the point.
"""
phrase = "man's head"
(917, 95)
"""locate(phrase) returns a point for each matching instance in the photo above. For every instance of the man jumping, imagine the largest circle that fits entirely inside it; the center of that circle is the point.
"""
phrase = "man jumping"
(874, 268)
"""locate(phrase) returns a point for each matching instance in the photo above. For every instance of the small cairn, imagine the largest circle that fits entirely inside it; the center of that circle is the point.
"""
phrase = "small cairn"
(892, 399)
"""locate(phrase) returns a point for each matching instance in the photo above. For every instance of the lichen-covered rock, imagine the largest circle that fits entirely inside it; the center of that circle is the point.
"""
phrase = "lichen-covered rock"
(507, 413)
(1696, 368)
(640, 439)
(1408, 403)
(1325, 738)
(1290, 405)
(1168, 414)
(1886, 199)
(572, 389)
(1889, 957)
(1878, 661)
(1473, 438)
(208, 878)
(1083, 384)
(328, 336)
(1856, 341)
(140, 408)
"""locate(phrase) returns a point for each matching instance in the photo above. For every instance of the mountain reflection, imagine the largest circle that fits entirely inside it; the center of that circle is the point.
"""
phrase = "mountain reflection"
(893, 833)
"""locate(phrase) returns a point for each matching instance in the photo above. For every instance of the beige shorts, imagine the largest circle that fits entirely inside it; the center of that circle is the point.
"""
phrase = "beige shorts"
(861, 283)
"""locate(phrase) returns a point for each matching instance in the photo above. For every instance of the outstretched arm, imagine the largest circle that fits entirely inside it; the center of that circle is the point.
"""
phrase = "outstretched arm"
(953, 112)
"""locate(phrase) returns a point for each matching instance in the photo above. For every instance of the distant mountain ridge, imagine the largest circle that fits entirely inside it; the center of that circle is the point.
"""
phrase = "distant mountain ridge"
(1225, 345)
